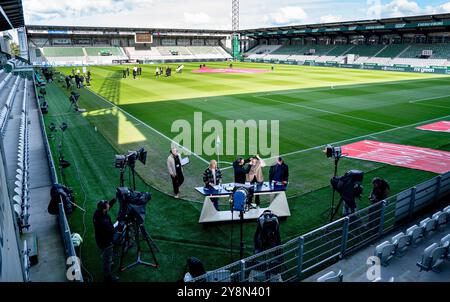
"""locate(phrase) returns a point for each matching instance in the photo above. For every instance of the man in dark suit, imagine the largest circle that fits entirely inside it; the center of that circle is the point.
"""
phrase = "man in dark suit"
(279, 173)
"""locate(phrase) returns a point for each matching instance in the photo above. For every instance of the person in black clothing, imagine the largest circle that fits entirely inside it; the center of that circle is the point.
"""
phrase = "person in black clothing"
(124, 75)
(279, 173)
(380, 191)
(104, 235)
(77, 81)
(134, 73)
(240, 170)
(128, 71)
(68, 80)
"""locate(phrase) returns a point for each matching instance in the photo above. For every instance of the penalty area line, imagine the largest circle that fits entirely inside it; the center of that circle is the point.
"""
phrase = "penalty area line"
(430, 99)
(363, 136)
(326, 111)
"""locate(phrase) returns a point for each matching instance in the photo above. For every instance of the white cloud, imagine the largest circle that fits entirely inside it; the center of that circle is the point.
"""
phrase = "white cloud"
(50, 9)
(287, 15)
(400, 8)
(217, 14)
(330, 19)
(440, 9)
(197, 18)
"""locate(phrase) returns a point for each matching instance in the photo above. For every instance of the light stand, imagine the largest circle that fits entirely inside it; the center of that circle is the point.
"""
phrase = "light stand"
(62, 162)
(242, 244)
(334, 210)
(239, 202)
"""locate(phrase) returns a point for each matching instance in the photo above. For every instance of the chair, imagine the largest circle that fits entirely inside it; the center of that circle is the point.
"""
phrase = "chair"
(445, 243)
(17, 200)
(401, 243)
(416, 234)
(447, 210)
(432, 258)
(441, 218)
(385, 252)
(331, 277)
(428, 225)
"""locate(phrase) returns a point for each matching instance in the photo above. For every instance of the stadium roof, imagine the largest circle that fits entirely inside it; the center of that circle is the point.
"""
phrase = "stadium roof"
(390, 25)
(11, 14)
(56, 29)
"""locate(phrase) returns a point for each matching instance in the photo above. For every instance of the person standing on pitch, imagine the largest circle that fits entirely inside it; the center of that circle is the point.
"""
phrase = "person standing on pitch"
(255, 176)
(213, 177)
(104, 236)
(279, 173)
(176, 171)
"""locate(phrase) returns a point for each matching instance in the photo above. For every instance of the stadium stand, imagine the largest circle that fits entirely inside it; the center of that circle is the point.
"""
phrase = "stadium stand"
(26, 167)
(63, 52)
(107, 55)
(391, 51)
(424, 245)
(389, 55)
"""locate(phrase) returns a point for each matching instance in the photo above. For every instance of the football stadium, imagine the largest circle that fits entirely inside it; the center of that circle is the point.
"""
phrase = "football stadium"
(293, 153)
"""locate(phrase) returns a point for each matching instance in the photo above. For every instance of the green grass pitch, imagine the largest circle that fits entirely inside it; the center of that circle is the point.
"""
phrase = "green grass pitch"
(315, 106)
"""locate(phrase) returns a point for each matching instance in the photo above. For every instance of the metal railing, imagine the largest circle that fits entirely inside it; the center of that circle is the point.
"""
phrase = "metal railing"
(62, 218)
(313, 251)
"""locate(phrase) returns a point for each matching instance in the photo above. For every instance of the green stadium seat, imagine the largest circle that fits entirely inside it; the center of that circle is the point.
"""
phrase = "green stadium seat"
(391, 51)
(97, 51)
(63, 51)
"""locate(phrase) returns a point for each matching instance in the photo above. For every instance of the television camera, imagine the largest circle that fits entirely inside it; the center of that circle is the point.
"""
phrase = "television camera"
(333, 152)
(129, 160)
(130, 225)
(350, 188)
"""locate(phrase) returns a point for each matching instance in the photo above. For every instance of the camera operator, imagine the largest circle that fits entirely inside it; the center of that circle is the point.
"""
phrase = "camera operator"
(240, 170)
(104, 235)
(380, 191)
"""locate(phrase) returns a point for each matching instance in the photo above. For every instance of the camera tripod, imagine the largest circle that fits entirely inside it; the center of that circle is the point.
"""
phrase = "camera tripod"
(139, 230)
(122, 177)
(334, 210)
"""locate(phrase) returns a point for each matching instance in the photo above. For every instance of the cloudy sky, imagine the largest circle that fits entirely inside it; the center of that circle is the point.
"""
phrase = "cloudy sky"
(216, 14)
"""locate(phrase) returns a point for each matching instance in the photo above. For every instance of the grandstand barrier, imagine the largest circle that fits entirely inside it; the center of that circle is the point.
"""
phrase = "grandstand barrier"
(403, 68)
(64, 227)
(307, 254)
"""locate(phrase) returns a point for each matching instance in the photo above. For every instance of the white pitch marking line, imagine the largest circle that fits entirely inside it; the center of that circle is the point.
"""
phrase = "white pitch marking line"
(326, 111)
(363, 136)
(345, 86)
(431, 105)
(430, 99)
